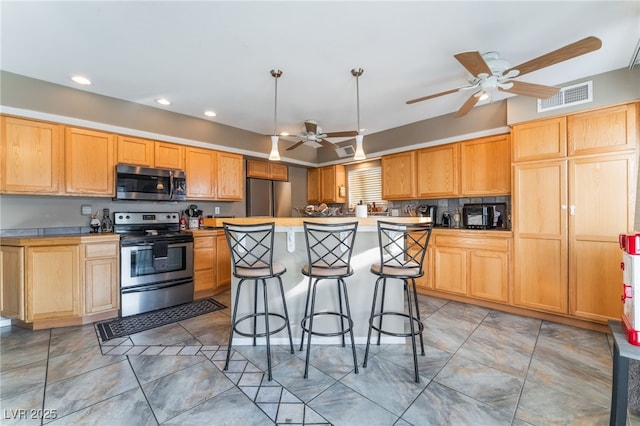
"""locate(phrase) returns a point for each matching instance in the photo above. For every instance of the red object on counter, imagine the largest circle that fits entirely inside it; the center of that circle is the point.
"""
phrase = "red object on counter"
(183, 222)
(630, 244)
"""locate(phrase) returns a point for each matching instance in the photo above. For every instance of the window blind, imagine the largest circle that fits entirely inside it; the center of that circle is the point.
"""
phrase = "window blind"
(365, 185)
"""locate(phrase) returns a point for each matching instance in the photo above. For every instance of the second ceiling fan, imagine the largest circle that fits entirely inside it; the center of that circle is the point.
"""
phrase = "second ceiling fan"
(488, 73)
(312, 133)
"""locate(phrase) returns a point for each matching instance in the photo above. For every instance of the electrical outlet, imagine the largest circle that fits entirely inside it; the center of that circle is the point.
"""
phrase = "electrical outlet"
(216, 210)
(86, 210)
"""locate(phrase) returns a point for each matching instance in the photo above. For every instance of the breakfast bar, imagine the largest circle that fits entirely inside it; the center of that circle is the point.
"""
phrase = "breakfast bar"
(290, 250)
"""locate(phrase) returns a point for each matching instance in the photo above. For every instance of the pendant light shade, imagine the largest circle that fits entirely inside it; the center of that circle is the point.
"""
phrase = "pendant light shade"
(274, 155)
(359, 155)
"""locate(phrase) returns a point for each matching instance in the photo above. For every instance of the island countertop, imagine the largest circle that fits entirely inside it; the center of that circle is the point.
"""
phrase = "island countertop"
(298, 221)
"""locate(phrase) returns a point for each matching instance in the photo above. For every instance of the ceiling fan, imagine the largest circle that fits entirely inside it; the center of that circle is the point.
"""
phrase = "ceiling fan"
(312, 133)
(488, 73)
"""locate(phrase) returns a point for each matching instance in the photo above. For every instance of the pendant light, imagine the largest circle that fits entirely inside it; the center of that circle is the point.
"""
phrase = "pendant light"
(274, 155)
(359, 155)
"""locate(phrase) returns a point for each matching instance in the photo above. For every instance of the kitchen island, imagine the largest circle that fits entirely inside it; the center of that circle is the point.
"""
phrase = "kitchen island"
(290, 250)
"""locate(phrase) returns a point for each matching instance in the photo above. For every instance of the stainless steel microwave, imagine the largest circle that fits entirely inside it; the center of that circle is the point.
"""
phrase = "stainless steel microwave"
(145, 183)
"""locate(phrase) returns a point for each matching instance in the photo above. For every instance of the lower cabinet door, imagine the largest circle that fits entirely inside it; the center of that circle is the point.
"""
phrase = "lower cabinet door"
(52, 282)
(451, 270)
(101, 292)
(489, 275)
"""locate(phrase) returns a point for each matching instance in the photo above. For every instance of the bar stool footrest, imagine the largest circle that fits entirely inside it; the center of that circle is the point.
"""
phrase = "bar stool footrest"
(399, 314)
(259, 314)
(330, 334)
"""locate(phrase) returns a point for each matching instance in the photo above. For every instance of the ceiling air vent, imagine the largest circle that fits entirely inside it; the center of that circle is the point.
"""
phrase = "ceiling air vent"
(345, 151)
(567, 96)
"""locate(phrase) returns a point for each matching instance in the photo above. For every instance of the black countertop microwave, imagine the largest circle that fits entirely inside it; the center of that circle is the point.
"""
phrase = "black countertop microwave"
(145, 183)
(484, 216)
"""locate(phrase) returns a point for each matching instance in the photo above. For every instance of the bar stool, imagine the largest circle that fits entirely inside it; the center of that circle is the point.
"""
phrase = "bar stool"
(329, 248)
(402, 250)
(251, 249)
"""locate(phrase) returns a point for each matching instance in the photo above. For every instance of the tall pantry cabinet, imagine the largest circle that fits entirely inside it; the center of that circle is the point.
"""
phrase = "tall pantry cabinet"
(574, 180)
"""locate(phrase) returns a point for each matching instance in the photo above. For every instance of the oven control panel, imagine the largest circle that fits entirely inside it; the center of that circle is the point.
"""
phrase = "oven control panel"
(141, 218)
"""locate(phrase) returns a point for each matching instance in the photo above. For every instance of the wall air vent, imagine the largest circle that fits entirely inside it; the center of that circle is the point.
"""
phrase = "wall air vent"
(580, 93)
(346, 151)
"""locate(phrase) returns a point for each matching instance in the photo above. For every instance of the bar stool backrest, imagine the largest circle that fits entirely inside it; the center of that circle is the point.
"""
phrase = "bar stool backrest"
(329, 245)
(251, 246)
(403, 245)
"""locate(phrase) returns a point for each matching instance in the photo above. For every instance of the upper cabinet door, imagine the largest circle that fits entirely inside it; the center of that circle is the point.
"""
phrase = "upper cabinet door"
(438, 171)
(135, 151)
(230, 182)
(399, 176)
(32, 157)
(169, 156)
(604, 130)
(313, 186)
(200, 169)
(540, 140)
(89, 162)
(485, 166)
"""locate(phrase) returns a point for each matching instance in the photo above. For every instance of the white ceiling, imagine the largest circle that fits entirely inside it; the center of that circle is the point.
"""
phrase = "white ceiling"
(217, 55)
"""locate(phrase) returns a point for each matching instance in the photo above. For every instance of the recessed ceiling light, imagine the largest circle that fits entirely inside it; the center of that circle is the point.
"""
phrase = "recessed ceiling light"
(81, 80)
(210, 113)
(163, 101)
(284, 134)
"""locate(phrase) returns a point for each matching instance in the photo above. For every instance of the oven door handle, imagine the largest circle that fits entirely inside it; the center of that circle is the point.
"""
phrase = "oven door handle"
(151, 287)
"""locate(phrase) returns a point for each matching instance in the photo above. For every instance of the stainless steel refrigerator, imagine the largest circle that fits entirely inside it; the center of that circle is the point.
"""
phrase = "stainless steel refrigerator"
(268, 198)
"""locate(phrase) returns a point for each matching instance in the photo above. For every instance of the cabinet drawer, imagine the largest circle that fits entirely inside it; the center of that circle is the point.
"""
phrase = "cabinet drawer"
(101, 250)
(204, 259)
(203, 243)
(493, 244)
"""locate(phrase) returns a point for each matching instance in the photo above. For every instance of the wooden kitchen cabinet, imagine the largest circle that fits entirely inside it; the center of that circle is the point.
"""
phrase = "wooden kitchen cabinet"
(399, 176)
(169, 155)
(474, 266)
(214, 175)
(333, 182)
(267, 170)
(135, 151)
(438, 171)
(60, 281)
(539, 140)
(12, 282)
(52, 284)
(604, 130)
(569, 212)
(541, 236)
(485, 166)
(327, 184)
(600, 192)
(425, 282)
(31, 155)
(313, 186)
(89, 162)
(204, 265)
(211, 263)
(230, 176)
(101, 277)
(200, 166)
(223, 271)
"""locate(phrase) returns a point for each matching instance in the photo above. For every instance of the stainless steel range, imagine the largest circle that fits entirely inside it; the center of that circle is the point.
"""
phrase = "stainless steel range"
(156, 261)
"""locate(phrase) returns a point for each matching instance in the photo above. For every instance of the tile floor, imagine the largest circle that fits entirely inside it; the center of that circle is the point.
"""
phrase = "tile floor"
(482, 367)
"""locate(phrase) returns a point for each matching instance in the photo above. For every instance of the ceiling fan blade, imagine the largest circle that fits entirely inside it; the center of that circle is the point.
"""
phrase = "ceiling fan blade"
(341, 134)
(464, 109)
(424, 98)
(311, 127)
(530, 89)
(326, 144)
(295, 145)
(474, 63)
(569, 51)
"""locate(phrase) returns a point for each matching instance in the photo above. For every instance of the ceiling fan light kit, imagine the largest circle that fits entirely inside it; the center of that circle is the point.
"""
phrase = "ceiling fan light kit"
(488, 73)
(274, 155)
